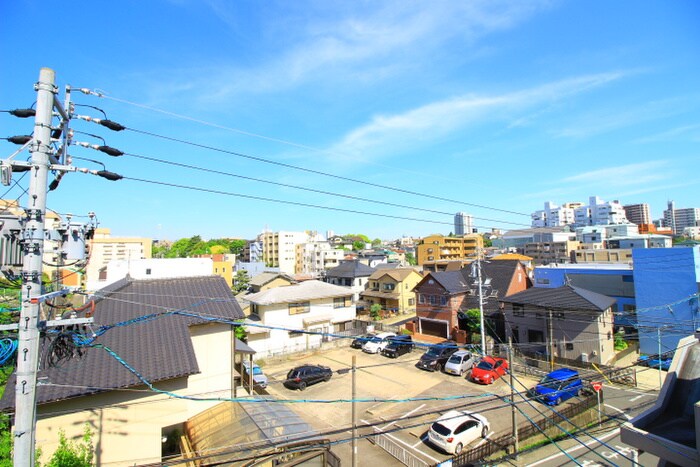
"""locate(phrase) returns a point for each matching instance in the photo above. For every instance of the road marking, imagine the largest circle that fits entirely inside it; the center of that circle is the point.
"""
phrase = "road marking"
(621, 411)
(483, 440)
(402, 416)
(421, 441)
(635, 398)
(576, 448)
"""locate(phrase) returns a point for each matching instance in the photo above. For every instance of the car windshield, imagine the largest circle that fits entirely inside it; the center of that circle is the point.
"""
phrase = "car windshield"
(441, 429)
(485, 365)
(375, 339)
(434, 351)
(257, 370)
(455, 359)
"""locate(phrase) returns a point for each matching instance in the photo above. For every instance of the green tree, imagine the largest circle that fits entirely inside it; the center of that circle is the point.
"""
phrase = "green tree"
(240, 281)
(358, 245)
(5, 441)
(73, 453)
(374, 311)
(218, 249)
(410, 259)
(473, 320)
(377, 242)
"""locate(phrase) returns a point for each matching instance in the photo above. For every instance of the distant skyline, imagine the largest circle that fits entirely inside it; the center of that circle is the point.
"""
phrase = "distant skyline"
(485, 107)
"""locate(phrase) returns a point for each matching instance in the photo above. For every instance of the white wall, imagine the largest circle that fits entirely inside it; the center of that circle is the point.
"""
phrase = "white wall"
(153, 268)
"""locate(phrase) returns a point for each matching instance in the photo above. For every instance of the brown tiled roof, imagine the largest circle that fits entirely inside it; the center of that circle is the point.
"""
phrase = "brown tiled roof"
(159, 349)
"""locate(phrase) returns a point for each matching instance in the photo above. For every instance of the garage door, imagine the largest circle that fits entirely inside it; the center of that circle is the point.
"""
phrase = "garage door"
(434, 328)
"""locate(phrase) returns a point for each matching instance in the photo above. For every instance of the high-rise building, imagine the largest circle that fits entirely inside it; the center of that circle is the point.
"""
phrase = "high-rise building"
(638, 213)
(279, 248)
(464, 223)
(679, 219)
(597, 212)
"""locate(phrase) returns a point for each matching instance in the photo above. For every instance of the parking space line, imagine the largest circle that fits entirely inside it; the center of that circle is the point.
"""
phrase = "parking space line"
(404, 443)
(402, 416)
(420, 441)
(483, 440)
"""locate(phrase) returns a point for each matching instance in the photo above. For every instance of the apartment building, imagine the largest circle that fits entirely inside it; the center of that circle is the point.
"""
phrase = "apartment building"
(679, 219)
(105, 248)
(279, 249)
(551, 252)
(441, 248)
(638, 213)
(315, 258)
(464, 223)
(596, 212)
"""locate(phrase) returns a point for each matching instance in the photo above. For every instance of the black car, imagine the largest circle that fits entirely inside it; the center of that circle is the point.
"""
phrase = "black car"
(436, 357)
(398, 345)
(301, 376)
(359, 341)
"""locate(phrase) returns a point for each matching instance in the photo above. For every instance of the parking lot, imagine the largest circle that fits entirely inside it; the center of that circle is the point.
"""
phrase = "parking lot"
(397, 398)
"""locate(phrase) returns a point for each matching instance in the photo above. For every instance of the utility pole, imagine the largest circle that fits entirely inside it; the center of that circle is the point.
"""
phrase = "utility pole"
(481, 304)
(551, 342)
(354, 412)
(513, 410)
(658, 338)
(28, 333)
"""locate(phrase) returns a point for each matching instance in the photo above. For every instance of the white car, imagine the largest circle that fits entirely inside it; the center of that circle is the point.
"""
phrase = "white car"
(460, 362)
(377, 343)
(457, 429)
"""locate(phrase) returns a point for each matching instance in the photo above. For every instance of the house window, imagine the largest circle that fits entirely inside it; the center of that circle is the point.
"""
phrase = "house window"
(388, 286)
(443, 301)
(298, 308)
(569, 346)
(421, 298)
(411, 301)
(340, 302)
(148, 271)
(518, 309)
(293, 334)
(542, 280)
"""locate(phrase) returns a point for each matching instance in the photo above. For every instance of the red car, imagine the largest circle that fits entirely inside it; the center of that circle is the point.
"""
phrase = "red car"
(489, 369)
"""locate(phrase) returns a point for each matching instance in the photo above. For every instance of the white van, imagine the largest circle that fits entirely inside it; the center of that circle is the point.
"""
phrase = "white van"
(377, 343)
(460, 362)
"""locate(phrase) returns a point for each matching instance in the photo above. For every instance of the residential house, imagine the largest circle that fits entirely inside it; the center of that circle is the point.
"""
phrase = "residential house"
(187, 359)
(567, 322)
(298, 317)
(444, 297)
(392, 289)
(614, 280)
(351, 274)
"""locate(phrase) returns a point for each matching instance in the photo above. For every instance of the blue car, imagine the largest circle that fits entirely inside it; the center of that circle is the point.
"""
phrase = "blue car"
(558, 386)
(664, 363)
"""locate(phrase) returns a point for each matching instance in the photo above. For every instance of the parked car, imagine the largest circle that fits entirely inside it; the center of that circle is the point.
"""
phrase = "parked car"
(656, 363)
(259, 378)
(435, 357)
(460, 362)
(558, 386)
(489, 369)
(378, 342)
(359, 341)
(456, 429)
(301, 376)
(398, 345)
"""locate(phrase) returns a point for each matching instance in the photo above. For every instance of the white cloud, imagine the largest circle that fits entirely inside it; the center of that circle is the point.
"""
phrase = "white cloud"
(630, 174)
(686, 132)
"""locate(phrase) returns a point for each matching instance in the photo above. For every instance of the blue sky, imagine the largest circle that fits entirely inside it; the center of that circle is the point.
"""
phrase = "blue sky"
(486, 107)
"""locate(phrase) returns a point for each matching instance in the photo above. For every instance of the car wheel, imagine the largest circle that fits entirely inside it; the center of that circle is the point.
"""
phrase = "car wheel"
(302, 386)
(579, 392)
(438, 367)
(484, 431)
(458, 448)
(558, 401)
(327, 378)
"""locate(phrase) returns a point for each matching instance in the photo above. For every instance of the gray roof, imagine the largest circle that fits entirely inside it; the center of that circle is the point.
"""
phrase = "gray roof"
(562, 298)
(452, 281)
(307, 290)
(350, 269)
(496, 276)
(159, 349)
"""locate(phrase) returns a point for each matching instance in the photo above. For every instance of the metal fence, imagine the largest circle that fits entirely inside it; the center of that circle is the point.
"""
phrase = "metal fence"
(395, 449)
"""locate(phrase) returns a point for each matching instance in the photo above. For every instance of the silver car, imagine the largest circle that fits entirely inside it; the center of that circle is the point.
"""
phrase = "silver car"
(460, 362)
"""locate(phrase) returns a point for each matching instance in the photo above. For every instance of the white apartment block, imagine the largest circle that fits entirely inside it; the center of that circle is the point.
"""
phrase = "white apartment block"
(152, 268)
(679, 219)
(280, 248)
(597, 212)
(464, 223)
(316, 258)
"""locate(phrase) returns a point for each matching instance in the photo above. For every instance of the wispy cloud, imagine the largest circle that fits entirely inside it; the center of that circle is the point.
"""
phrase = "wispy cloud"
(686, 132)
(623, 175)
(389, 134)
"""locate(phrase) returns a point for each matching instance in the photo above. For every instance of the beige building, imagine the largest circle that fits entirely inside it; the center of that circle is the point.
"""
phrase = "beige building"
(315, 258)
(551, 252)
(104, 248)
(623, 255)
(392, 289)
(435, 248)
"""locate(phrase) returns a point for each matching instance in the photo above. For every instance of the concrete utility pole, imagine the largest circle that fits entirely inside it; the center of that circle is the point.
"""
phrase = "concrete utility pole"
(481, 304)
(354, 411)
(513, 410)
(28, 334)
